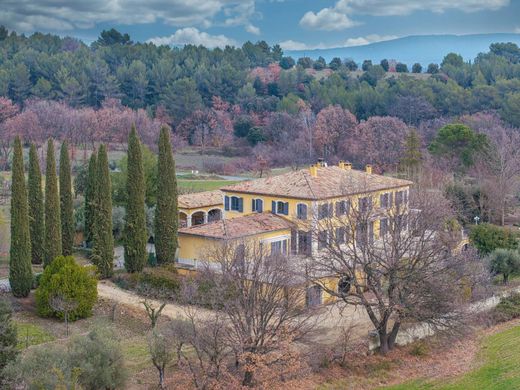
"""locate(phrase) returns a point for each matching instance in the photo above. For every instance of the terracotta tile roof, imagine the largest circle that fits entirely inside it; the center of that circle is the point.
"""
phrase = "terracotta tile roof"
(239, 227)
(200, 199)
(330, 182)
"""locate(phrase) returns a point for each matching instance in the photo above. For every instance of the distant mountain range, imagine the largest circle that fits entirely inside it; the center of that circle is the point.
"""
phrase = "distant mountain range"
(424, 49)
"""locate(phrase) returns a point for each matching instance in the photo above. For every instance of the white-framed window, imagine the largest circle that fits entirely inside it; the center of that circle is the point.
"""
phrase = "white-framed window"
(280, 207)
(301, 211)
(323, 239)
(365, 204)
(342, 207)
(234, 203)
(325, 211)
(383, 227)
(279, 247)
(257, 205)
(385, 200)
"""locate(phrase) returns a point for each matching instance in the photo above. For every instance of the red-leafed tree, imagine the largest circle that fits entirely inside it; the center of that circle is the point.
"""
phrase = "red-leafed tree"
(379, 141)
(334, 127)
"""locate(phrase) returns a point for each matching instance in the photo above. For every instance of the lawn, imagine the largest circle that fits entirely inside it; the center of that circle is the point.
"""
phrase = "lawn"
(31, 334)
(203, 185)
(500, 359)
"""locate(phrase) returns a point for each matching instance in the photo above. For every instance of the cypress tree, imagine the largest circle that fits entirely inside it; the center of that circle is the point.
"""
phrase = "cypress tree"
(20, 271)
(166, 213)
(103, 240)
(52, 242)
(36, 221)
(90, 197)
(66, 207)
(135, 224)
(411, 161)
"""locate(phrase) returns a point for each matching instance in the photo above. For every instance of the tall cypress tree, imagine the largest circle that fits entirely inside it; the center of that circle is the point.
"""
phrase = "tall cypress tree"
(52, 242)
(103, 240)
(90, 197)
(20, 271)
(66, 207)
(166, 213)
(36, 219)
(135, 226)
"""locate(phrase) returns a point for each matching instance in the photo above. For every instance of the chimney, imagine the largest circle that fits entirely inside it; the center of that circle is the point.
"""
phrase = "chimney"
(344, 165)
(314, 170)
(368, 169)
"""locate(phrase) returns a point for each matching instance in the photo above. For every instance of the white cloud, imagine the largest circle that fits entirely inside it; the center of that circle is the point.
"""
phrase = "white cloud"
(328, 19)
(191, 35)
(295, 45)
(252, 29)
(340, 16)
(359, 41)
(31, 15)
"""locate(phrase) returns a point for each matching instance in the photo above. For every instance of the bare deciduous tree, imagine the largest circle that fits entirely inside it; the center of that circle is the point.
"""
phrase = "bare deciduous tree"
(153, 312)
(261, 298)
(409, 271)
(203, 348)
(64, 306)
(161, 353)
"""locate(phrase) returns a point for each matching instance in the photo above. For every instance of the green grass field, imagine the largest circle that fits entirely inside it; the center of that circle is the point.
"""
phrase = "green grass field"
(31, 334)
(500, 368)
(203, 185)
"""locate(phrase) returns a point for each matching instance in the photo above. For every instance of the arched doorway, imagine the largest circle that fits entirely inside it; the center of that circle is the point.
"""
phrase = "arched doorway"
(198, 218)
(214, 215)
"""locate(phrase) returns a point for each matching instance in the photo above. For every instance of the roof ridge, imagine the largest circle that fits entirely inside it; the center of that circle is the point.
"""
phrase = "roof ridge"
(224, 226)
(308, 184)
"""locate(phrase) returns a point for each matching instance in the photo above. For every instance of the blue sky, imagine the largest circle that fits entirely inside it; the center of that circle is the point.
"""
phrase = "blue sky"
(295, 24)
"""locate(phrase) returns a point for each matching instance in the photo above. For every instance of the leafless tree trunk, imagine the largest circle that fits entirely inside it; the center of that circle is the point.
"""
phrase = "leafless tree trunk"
(161, 353)
(64, 306)
(153, 312)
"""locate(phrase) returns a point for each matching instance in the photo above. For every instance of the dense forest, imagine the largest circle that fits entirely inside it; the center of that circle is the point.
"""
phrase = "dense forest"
(266, 109)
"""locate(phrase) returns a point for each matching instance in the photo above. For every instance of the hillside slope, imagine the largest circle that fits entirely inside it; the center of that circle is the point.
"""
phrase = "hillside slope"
(424, 49)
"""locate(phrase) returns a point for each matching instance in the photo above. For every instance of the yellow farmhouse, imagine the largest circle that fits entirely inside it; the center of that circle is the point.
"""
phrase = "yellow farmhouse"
(283, 213)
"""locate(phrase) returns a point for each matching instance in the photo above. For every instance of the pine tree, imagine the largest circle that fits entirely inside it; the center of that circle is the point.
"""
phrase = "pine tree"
(20, 271)
(36, 219)
(66, 206)
(135, 226)
(90, 197)
(166, 213)
(411, 162)
(103, 240)
(52, 242)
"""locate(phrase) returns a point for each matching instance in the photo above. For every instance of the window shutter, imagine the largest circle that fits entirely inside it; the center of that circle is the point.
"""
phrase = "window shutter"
(253, 205)
(259, 205)
(286, 208)
(273, 207)
(241, 204)
(226, 203)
